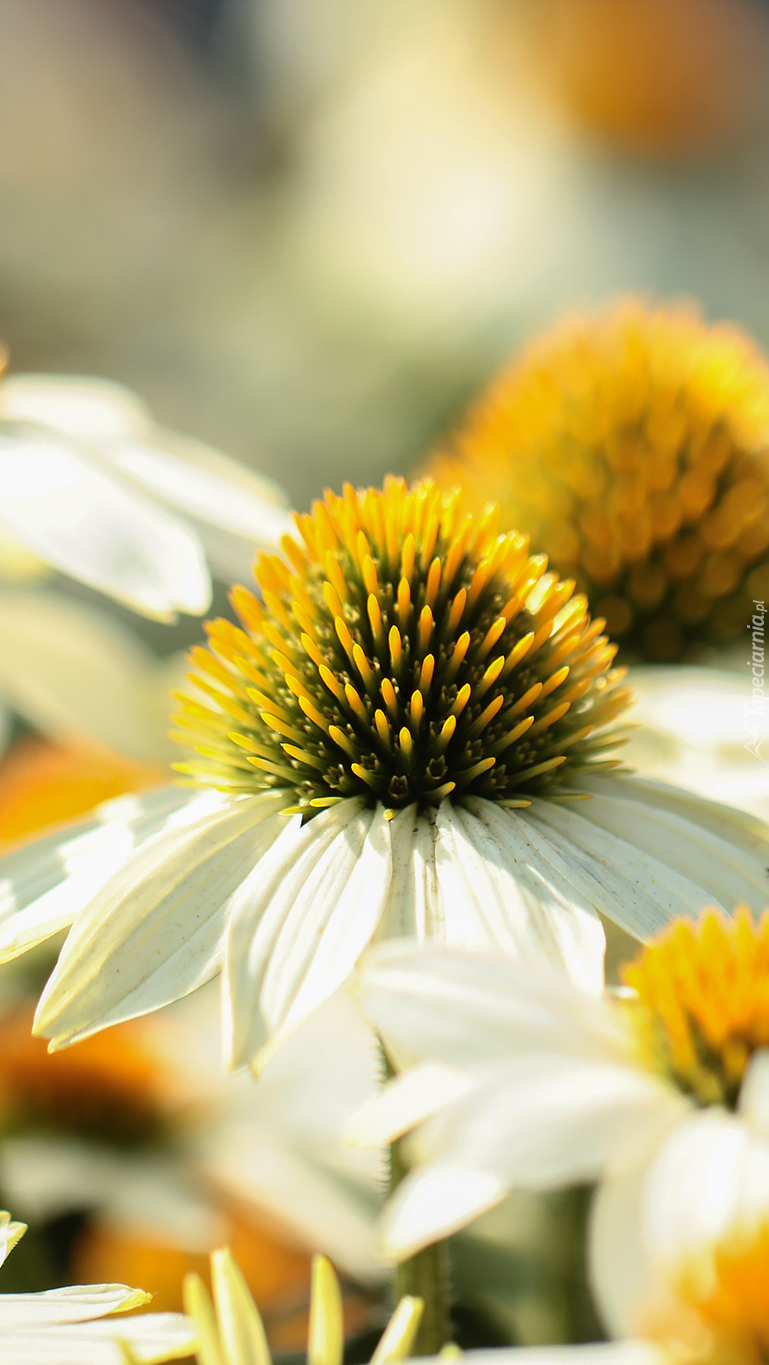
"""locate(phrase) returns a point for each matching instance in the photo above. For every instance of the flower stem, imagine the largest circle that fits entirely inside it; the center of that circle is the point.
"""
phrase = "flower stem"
(425, 1275)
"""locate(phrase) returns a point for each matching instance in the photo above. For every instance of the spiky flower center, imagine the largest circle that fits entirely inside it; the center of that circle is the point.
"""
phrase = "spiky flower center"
(633, 448)
(702, 1004)
(404, 652)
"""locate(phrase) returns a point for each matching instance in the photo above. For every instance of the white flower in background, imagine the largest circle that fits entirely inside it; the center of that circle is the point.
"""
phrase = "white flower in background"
(703, 729)
(390, 746)
(143, 1130)
(230, 1330)
(518, 1079)
(95, 488)
(71, 1327)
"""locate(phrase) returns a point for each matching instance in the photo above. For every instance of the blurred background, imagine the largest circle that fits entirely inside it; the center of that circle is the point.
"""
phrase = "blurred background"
(307, 232)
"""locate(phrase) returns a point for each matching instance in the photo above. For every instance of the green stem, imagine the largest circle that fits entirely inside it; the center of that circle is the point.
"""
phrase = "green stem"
(425, 1275)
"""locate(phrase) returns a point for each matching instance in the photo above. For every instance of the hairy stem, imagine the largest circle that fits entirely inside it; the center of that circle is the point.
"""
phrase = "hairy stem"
(425, 1275)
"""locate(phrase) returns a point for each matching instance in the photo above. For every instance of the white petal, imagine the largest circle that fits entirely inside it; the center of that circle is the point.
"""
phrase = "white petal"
(463, 1008)
(628, 883)
(433, 1204)
(72, 671)
(754, 1093)
(406, 1101)
(10, 1234)
(299, 924)
(714, 855)
(413, 908)
(151, 1337)
(500, 890)
(57, 501)
(80, 405)
(44, 884)
(620, 1272)
(710, 1175)
(75, 1303)
(544, 1121)
(204, 484)
(533, 1123)
(155, 931)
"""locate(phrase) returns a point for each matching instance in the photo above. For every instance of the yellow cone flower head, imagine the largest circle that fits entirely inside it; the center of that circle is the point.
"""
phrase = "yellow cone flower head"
(404, 653)
(632, 447)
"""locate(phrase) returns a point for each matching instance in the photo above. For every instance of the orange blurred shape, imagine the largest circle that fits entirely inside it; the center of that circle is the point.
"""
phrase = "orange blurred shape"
(659, 77)
(278, 1274)
(43, 784)
(107, 1089)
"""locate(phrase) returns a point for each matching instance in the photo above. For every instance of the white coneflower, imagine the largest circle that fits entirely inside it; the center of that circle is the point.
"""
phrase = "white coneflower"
(95, 488)
(70, 1326)
(395, 734)
(520, 1080)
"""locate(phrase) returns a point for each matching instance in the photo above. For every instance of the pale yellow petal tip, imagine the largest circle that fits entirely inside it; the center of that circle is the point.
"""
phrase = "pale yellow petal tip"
(135, 1298)
(326, 1337)
(400, 1334)
(10, 1234)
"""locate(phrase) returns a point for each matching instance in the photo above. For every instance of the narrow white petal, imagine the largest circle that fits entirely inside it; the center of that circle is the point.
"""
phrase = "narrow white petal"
(151, 1337)
(631, 886)
(155, 931)
(413, 907)
(80, 405)
(463, 1008)
(75, 1303)
(500, 890)
(57, 501)
(719, 861)
(431, 1205)
(406, 1101)
(298, 925)
(44, 884)
(72, 670)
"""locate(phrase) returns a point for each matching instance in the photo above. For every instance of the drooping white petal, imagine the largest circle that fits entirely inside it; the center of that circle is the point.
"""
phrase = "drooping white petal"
(59, 503)
(154, 932)
(299, 923)
(72, 671)
(79, 405)
(44, 884)
(151, 1337)
(461, 1008)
